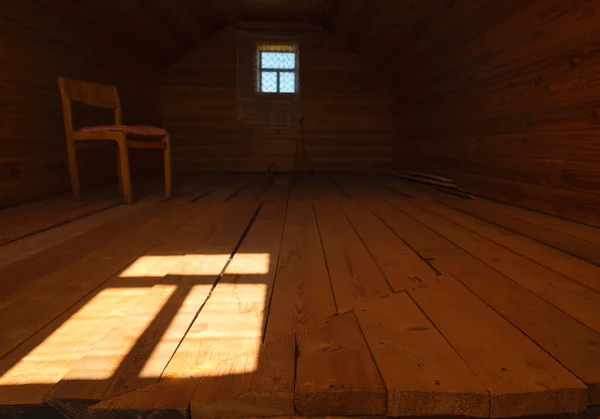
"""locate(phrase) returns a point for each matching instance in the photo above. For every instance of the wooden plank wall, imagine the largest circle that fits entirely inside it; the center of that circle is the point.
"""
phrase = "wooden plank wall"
(507, 104)
(39, 42)
(347, 111)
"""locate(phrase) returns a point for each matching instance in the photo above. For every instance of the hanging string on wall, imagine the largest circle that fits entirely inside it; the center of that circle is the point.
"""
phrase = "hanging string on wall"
(268, 86)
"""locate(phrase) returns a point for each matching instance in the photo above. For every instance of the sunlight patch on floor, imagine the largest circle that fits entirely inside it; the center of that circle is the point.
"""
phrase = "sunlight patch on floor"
(106, 356)
(170, 339)
(151, 267)
(227, 334)
(94, 341)
(160, 266)
(52, 358)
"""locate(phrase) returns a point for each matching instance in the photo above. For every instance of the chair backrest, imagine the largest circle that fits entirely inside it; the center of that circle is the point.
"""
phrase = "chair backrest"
(92, 94)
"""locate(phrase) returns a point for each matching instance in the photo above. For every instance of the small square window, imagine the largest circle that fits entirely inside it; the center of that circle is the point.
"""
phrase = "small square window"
(277, 68)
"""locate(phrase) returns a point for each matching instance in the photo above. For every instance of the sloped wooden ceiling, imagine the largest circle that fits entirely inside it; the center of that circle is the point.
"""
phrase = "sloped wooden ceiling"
(162, 31)
(394, 34)
(398, 35)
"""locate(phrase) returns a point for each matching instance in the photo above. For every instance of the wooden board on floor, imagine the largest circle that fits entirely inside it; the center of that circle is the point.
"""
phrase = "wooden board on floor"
(135, 353)
(355, 276)
(258, 384)
(572, 343)
(402, 267)
(423, 374)
(522, 378)
(230, 187)
(336, 374)
(348, 183)
(401, 187)
(53, 238)
(302, 292)
(50, 251)
(277, 190)
(256, 378)
(561, 240)
(572, 267)
(269, 389)
(169, 399)
(232, 320)
(367, 181)
(303, 187)
(36, 305)
(581, 231)
(222, 349)
(255, 186)
(204, 186)
(571, 297)
(30, 371)
(20, 222)
(188, 182)
(327, 189)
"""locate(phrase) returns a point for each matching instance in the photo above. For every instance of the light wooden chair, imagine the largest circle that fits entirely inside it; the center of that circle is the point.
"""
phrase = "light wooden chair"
(107, 96)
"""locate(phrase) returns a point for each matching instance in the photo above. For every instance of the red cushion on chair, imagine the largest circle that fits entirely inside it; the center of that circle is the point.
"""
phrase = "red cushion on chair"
(143, 130)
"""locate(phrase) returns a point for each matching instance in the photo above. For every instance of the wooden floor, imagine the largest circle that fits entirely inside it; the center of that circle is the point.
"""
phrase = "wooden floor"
(306, 295)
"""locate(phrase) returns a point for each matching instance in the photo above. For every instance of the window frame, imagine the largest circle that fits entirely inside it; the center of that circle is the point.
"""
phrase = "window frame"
(293, 49)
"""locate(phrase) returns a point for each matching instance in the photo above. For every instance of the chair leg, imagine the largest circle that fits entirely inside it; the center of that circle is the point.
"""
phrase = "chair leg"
(168, 168)
(120, 176)
(73, 170)
(125, 174)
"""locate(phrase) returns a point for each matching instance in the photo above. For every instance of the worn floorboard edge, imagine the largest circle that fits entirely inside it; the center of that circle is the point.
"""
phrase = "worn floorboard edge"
(522, 379)
(578, 270)
(423, 374)
(302, 276)
(264, 392)
(355, 276)
(574, 299)
(37, 243)
(266, 389)
(336, 374)
(552, 329)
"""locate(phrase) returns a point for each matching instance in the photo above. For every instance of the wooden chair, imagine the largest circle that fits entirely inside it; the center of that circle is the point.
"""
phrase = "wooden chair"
(106, 96)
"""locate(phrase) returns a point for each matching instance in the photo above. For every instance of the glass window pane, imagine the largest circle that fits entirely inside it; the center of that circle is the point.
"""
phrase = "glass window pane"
(287, 82)
(268, 82)
(278, 60)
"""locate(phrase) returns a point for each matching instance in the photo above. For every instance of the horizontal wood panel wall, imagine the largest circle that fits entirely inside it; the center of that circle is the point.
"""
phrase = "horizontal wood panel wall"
(510, 109)
(347, 110)
(37, 45)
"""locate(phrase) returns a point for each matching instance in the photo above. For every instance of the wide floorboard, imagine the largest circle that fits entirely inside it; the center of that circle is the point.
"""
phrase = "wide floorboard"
(275, 295)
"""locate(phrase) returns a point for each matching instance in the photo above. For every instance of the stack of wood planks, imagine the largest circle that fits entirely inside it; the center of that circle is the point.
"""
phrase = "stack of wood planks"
(345, 295)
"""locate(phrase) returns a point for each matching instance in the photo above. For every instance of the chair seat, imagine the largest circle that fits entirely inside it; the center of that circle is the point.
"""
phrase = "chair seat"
(140, 130)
